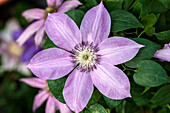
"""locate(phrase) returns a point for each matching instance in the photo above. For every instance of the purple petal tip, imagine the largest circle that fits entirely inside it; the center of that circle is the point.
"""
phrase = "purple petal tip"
(21, 79)
(141, 46)
(28, 66)
(130, 96)
(79, 3)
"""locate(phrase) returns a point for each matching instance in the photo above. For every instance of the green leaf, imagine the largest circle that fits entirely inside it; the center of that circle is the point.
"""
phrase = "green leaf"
(56, 88)
(151, 6)
(49, 44)
(150, 32)
(94, 98)
(163, 23)
(166, 3)
(113, 4)
(87, 4)
(76, 15)
(136, 8)
(97, 108)
(140, 101)
(136, 91)
(150, 74)
(112, 103)
(121, 107)
(148, 21)
(122, 20)
(144, 53)
(127, 4)
(163, 36)
(85, 111)
(163, 110)
(162, 96)
(166, 65)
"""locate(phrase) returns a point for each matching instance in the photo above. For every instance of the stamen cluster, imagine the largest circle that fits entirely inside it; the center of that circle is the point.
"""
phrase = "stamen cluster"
(85, 57)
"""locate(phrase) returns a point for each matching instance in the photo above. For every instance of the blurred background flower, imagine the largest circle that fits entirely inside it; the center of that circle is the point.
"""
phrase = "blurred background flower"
(12, 56)
(15, 96)
(37, 27)
(44, 94)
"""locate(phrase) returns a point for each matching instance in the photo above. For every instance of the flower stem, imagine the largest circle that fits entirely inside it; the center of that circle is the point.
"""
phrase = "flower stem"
(168, 106)
(108, 110)
(125, 68)
(145, 90)
(140, 34)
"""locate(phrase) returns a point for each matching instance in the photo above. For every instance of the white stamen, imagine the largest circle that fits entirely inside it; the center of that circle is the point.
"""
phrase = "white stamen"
(85, 56)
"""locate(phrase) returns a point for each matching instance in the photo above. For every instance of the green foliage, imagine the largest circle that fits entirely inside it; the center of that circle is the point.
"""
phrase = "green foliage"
(150, 74)
(162, 96)
(56, 88)
(94, 98)
(76, 16)
(144, 53)
(87, 4)
(166, 3)
(112, 103)
(16, 96)
(127, 4)
(151, 6)
(148, 22)
(163, 22)
(113, 4)
(136, 92)
(136, 7)
(48, 43)
(122, 20)
(19, 9)
(166, 65)
(96, 108)
(163, 36)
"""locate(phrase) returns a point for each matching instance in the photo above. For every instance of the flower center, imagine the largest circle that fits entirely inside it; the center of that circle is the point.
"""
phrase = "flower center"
(50, 9)
(48, 90)
(14, 50)
(85, 57)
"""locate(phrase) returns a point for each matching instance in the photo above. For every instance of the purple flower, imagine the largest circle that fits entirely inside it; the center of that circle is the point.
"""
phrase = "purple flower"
(29, 47)
(13, 57)
(9, 50)
(163, 54)
(40, 15)
(52, 104)
(90, 57)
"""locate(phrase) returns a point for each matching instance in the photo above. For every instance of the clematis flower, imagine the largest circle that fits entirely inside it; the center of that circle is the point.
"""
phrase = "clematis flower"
(52, 104)
(40, 15)
(88, 54)
(13, 57)
(163, 54)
